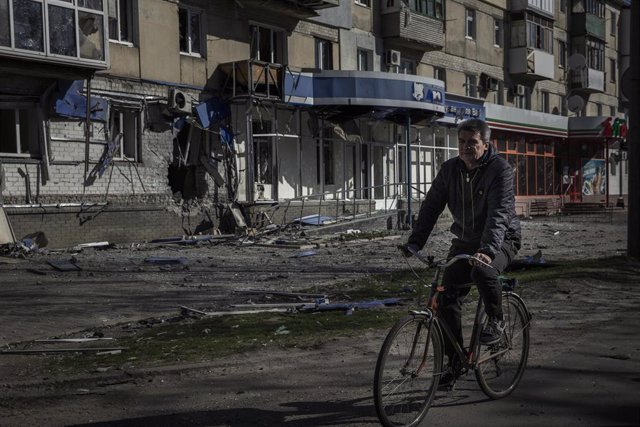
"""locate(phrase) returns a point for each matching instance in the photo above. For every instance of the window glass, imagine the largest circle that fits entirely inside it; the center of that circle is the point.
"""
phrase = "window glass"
(90, 34)
(522, 175)
(27, 25)
(62, 33)
(91, 4)
(470, 30)
(5, 35)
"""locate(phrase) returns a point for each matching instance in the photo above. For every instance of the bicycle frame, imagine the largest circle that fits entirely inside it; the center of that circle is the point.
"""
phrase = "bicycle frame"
(469, 358)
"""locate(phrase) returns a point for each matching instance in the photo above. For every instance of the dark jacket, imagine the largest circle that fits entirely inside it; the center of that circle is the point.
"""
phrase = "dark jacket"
(482, 203)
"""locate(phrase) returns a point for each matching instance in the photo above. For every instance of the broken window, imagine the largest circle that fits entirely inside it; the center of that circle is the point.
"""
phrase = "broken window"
(18, 132)
(27, 25)
(120, 20)
(267, 44)
(126, 121)
(62, 35)
(189, 23)
(5, 35)
(91, 35)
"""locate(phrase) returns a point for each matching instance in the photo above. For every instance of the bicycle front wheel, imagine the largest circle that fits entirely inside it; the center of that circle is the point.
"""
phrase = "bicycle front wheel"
(407, 372)
(500, 366)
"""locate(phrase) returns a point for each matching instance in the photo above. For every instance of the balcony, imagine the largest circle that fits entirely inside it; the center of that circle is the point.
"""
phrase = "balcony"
(588, 24)
(531, 63)
(57, 33)
(252, 78)
(413, 30)
(587, 80)
(296, 8)
(542, 7)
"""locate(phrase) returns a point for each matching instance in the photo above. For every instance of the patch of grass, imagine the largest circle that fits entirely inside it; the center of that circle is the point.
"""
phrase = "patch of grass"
(210, 338)
(612, 268)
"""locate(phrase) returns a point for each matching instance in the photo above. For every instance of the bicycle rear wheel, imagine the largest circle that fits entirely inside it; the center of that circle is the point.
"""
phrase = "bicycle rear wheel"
(500, 366)
(407, 372)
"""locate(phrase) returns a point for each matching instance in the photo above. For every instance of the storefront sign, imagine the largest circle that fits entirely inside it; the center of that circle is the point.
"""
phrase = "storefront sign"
(594, 178)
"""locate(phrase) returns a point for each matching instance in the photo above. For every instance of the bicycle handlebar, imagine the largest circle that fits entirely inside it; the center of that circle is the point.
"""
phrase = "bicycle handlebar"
(446, 263)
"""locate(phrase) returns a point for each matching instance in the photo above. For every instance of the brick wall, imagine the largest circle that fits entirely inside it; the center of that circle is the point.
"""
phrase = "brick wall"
(65, 227)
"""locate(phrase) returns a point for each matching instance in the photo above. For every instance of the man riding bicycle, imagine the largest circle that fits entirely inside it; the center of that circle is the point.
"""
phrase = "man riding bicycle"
(478, 188)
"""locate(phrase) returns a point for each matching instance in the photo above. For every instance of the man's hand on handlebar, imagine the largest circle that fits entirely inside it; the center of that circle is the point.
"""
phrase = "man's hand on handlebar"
(483, 258)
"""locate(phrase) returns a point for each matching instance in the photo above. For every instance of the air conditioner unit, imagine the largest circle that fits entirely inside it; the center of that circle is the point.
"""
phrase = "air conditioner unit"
(492, 84)
(392, 57)
(178, 102)
(520, 90)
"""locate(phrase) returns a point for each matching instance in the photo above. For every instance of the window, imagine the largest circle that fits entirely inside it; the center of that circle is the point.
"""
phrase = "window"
(440, 73)
(612, 110)
(120, 13)
(366, 3)
(595, 54)
(498, 31)
(544, 101)
(470, 85)
(432, 8)
(267, 44)
(562, 54)
(326, 169)
(470, 28)
(598, 109)
(126, 121)
(612, 70)
(19, 130)
(595, 7)
(189, 27)
(364, 60)
(407, 66)
(614, 24)
(324, 54)
(563, 6)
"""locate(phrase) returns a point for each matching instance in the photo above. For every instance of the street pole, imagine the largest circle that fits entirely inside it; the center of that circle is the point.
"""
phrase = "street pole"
(633, 225)
(407, 136)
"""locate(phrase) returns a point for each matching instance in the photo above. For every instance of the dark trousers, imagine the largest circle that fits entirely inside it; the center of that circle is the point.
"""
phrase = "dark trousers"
(461, 273)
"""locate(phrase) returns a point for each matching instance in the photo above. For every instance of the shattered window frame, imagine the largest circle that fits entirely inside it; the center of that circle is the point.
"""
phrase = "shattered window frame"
(126, 121)
(39, 34)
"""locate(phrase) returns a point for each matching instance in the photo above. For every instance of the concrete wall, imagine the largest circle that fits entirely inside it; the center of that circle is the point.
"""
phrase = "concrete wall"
(159, 44)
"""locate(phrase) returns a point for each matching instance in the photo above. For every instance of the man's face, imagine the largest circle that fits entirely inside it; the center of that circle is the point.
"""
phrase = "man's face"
(471, 147)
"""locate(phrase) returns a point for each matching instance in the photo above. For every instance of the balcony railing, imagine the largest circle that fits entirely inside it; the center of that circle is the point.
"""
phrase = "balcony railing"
(531, 63)
(588, 24)
(413, 30)
(587, 80)
(254, 78)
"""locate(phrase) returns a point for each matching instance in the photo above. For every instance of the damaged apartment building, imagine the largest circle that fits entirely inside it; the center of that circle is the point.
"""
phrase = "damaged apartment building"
(126, 120)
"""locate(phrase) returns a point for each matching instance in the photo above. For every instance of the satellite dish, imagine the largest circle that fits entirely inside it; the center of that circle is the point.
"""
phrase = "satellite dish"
(575, 103)
(577, 61)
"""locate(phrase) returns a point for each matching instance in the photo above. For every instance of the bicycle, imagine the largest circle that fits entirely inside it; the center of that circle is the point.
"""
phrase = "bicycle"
(410, 362)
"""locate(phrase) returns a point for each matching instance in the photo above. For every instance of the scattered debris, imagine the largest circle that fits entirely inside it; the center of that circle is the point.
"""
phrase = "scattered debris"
(162, 260)
(64, 350)
(282, 330)
(315, 220)
(279, 293)
(304, 254)
(236, 312)
(63, 265)
(95, 245)
(62, 340)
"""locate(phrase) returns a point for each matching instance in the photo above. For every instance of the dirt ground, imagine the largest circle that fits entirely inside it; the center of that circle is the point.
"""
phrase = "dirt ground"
(331, 383)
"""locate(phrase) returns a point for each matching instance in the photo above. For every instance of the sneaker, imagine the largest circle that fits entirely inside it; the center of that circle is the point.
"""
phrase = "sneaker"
(492, 331)
(448, 379)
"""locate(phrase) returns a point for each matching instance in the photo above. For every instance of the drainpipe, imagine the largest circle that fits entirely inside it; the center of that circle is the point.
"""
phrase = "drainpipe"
(407, 136)
(633, 224)
(87, 131)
